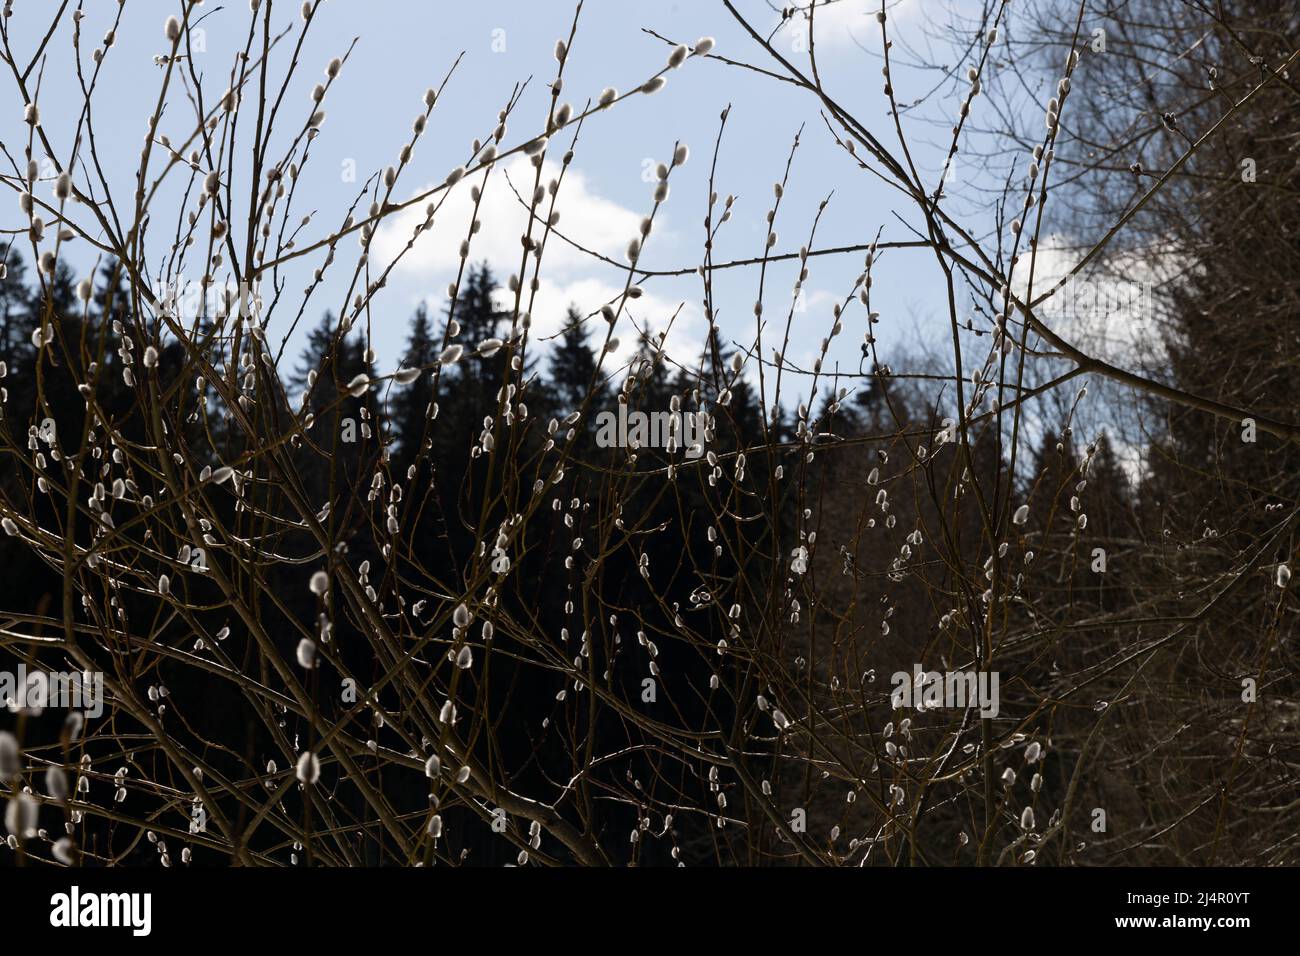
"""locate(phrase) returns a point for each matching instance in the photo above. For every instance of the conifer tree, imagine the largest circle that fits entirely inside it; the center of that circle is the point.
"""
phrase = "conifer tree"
(573, 367)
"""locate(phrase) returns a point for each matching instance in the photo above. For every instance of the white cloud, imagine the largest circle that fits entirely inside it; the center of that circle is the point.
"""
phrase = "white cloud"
(568, 275)
(588, 219)
(846, 23)
(1110, 309)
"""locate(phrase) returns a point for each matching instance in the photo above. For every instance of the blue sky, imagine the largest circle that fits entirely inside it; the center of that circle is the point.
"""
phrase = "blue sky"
(404, 47)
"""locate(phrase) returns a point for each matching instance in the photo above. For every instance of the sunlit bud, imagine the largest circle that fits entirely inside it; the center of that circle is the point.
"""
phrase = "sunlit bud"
(62, 851)
(9, 764)
(308, 769)
(56, 783)
(20, 816)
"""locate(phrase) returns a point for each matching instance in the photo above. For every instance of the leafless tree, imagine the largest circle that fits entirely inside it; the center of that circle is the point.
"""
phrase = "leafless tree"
(727, 700)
